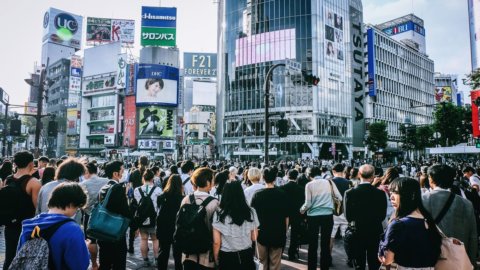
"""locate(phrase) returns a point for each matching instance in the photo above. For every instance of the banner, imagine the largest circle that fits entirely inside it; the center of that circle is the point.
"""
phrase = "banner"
(443, 94)
(104, 30)
(130, 123)
(157, 84)
(200, 64)
(155, 121)
(130, 79)
(72, 115)
(62, 28)
(372, 84)
(122, 71)
(159, 26)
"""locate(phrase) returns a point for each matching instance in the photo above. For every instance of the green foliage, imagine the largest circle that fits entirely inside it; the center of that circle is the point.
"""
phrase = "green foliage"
(424, 137)
(452, 123)
(377, 136)
(473, 79)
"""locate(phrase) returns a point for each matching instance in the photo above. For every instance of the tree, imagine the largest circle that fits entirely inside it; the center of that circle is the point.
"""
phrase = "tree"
(448, 122)
(466, 128)
(424, 137)
(473, 79)
(377, 136)
(409, 136)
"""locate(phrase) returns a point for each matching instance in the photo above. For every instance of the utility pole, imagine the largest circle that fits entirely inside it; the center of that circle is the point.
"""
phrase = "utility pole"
(38, 117)
(5, 123)
(266, 87)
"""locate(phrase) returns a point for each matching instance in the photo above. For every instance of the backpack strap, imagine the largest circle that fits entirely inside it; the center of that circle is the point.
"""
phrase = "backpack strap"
(186, 180)
(207, 201)
(151, 192)
(50, 231)
(141, 192)
(192, 199)
(445, 208)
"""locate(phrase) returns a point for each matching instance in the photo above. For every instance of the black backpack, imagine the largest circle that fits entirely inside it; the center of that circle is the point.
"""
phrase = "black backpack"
(12, 195)
(145, 215)
(192, 235)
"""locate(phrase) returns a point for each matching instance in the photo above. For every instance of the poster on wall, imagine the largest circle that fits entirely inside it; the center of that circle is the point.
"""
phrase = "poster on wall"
(334, 48)
(157, 85)
(154, 121)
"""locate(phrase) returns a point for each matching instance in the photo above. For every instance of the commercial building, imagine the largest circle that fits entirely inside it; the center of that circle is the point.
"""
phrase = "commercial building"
(400, 76)
(326, 39)
(446, 89)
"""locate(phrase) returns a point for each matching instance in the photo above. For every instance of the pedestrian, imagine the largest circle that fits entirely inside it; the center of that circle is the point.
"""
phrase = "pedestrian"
(473, 177)
(318, 206)
(234, 228)
(92, 186)
(254, 175)
(67, 249)
(339, 222)
(6, 170)
(114, 254)
(458, 210)
(366, 207)
(412, 239)
(220, 180)
(168, 204)
(48, 175)
(296, 197)
(187, 168)
(29, 188)
(270, 204)
(148, 191)
(390, 175)
(232, 176)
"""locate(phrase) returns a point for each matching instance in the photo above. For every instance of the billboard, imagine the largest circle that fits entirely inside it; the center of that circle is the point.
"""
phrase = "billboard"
(72, 116)
(104, 30)
(122, 71)
(200, 64)
(159, 26)
(443, 94)
(130, 124)
(264, 47)
(63, 28)
(475, 123)
(98, 85)
(334, 48)
(155, 121)
(157, 84)
(75, 81)
(372, 84)
(404, 27)
(130, 79)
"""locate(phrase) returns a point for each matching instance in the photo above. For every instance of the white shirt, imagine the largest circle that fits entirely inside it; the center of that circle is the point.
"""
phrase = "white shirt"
(474, 180)
(188, 187)
(250, 191)
(146, 189)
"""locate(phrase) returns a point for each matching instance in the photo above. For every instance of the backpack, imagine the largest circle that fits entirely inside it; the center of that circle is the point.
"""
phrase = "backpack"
(145, 215)
(12, 195)
(192, 235)
(186, 180)
(35, 252)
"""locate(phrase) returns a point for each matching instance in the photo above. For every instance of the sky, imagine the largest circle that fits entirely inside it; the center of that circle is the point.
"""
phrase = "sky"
(446, 25)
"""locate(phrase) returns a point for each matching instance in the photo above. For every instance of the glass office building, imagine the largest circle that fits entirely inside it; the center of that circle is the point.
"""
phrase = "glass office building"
(321, 36)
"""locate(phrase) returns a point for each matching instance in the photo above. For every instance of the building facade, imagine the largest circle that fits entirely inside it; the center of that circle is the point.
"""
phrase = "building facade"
(320, 36)
(400, 78)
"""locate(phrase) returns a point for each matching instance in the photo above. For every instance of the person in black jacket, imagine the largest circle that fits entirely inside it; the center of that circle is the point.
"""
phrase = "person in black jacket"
(296, 198)
(367, 207)
(113, 255)
(168, 205)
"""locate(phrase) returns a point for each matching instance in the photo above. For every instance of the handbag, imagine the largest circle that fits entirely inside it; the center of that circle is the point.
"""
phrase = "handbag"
(256, 259)
(337, 203)
(350, 240)
(105, 225)
(453, 255)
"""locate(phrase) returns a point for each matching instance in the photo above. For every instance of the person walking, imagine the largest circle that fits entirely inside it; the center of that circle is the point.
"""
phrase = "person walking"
(270, 205)
(168, 204)
(319, 209)
(234, 228)
(366, 206)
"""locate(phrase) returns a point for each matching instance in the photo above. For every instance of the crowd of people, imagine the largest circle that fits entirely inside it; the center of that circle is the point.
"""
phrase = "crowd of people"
(223, 215)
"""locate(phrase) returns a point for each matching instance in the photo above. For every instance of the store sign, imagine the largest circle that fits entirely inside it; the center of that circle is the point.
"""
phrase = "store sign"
(357, 49)
(122, 71)
(130, 79)
(372, 84)
(130, 123)
(200, 64)
(98, 85)
(62, 28)
(109, 140)
(158, 26)
(155, 144)
(75, 81)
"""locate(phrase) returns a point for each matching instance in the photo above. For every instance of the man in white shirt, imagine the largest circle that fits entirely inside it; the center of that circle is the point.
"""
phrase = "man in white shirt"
(254, 175)
(473, 178)
(187, 169)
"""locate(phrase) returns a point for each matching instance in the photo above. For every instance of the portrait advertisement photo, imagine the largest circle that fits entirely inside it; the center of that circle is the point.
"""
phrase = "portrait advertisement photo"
(157, 85)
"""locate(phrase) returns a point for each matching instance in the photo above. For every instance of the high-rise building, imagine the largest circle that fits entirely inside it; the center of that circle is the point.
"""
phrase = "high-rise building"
(400, 77)
(446, 88)
(474, 25)
(325, 38)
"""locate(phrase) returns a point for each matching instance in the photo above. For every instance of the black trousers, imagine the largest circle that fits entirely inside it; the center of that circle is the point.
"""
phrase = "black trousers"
(131, 235)
(164, 255)
(191, 265)
(366, 250)
(324, 225)
(113, 255)
(240, 260)
(12, 235)
(294, 228)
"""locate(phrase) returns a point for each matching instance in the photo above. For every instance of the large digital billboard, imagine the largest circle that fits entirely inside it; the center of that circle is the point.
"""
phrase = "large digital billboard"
(200, 64)
(264, 47)
(105, 30)
(155, 121)
(157, 84)
(159, 26)
(62, 28)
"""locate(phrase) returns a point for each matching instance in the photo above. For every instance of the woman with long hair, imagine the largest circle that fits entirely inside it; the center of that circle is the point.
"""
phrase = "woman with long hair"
(168, 204)
(6, 170)
(219, 182)
(234, 228)
(48, 175)
(412, 239)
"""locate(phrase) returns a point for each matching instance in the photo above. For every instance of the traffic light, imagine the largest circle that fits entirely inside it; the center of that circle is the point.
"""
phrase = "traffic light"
(311, 79)
(282, 128)
(52, 129)
(15, 127)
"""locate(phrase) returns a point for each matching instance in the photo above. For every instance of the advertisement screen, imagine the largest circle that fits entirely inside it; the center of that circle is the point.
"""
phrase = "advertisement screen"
(155, 121)
(200, 64)
(334, 36)
(264, 47)
(443, 94)
(62, 28)
(157, 84)
(104, 30)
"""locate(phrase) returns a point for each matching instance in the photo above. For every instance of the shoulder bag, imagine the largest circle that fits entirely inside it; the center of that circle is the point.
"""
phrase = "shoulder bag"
(105, 225)
(337, 203)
